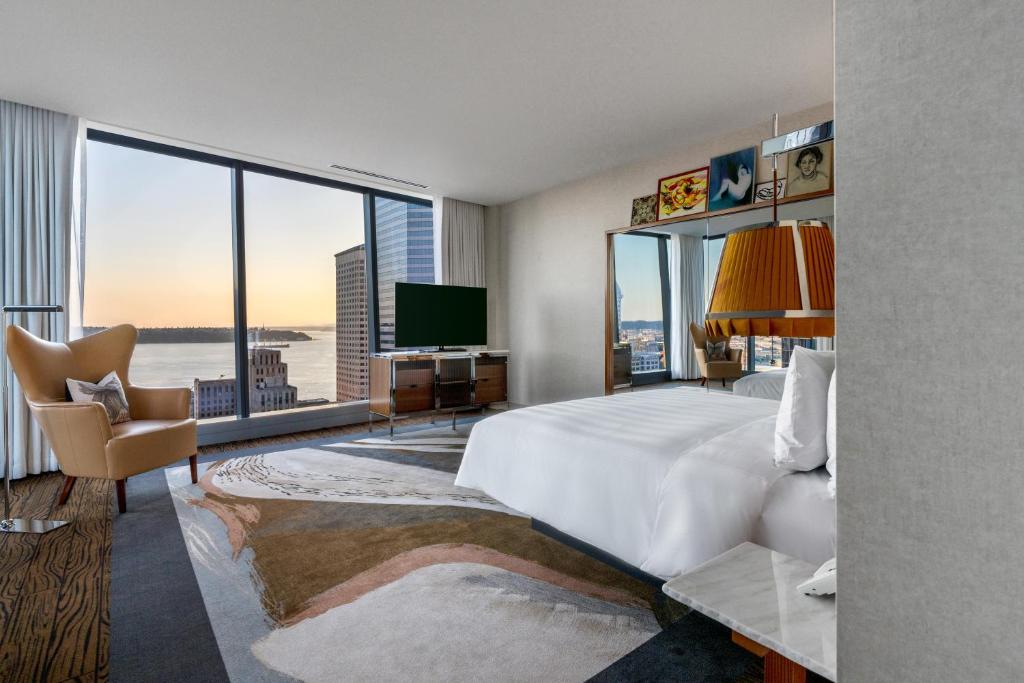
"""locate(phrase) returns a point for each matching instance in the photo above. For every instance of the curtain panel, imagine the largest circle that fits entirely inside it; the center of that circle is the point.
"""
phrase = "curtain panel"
(38, 157)
(462, 243)
(686, 289)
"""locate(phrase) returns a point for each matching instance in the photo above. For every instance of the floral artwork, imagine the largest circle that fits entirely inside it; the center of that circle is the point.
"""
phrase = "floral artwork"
(683, 193)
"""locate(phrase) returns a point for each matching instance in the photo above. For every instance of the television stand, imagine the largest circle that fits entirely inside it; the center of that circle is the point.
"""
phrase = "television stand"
(405, 384)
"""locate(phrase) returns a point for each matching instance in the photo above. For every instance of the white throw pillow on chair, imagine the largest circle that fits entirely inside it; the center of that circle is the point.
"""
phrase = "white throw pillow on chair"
(801, 425)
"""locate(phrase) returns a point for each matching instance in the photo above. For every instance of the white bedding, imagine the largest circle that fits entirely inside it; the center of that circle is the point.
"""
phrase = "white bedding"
(663, 479)
(767, 384)
(799, 517)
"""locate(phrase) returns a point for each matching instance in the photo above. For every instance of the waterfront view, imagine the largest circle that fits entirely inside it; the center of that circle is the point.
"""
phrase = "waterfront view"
(311, 364)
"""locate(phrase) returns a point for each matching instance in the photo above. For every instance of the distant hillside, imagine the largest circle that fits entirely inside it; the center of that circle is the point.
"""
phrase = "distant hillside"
(206, 335)
(640, 325)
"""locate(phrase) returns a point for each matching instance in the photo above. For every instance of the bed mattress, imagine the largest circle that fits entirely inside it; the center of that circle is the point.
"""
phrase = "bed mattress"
(662, 479)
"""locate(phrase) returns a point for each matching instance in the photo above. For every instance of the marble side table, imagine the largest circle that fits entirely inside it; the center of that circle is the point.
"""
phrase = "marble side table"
(752, 590)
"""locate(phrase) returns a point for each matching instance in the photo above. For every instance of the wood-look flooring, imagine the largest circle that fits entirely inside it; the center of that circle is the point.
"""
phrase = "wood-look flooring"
(55, 587)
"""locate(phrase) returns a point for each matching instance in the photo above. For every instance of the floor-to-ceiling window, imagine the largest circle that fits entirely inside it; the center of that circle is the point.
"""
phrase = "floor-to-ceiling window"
(250, 284)
(641, 286)
(158, 256)
(305, 280)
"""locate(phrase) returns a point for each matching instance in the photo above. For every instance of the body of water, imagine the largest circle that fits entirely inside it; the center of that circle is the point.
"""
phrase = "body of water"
(311, 364)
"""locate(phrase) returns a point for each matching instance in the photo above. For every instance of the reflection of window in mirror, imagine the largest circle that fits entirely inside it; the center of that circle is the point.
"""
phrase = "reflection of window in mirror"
(641, 280)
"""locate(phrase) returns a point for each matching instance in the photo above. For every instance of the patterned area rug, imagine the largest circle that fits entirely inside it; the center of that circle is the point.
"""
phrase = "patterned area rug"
(360, 560)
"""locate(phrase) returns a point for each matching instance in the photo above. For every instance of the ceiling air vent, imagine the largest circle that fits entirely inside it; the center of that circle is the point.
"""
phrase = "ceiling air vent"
(371, 174)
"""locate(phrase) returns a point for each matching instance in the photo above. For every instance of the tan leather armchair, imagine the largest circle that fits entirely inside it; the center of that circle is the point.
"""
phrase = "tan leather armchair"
(85, 443)
(715, 369)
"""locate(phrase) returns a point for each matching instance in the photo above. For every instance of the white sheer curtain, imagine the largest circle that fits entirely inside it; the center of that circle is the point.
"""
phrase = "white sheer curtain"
(462, 243)
(686, 288)
(38, 160)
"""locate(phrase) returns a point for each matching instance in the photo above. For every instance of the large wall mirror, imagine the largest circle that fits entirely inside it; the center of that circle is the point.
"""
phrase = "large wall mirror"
(659, 280)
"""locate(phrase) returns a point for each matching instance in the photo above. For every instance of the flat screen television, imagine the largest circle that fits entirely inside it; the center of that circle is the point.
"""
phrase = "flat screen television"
(439, 315)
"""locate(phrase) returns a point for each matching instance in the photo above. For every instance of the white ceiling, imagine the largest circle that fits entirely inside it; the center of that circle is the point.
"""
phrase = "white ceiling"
(482, 100)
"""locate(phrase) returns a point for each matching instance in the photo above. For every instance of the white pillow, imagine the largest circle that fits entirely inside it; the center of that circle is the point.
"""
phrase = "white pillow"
(108, 392)
(803, 412)
(830, 435)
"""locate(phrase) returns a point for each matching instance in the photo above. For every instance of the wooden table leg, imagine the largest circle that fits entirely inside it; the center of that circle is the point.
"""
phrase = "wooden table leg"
(777, 669)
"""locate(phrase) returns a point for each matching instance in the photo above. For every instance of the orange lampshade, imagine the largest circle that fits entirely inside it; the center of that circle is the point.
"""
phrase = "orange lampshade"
(775, 280)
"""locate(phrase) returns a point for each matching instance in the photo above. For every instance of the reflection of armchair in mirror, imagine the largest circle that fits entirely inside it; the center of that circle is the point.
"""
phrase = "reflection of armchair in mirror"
(623, 365)
(730, 367)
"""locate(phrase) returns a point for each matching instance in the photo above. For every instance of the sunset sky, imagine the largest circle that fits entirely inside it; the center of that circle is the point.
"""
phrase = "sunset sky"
(158, 246)
(158, 243)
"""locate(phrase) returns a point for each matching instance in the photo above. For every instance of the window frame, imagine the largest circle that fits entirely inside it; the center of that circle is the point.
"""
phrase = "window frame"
(242, 427)
(664, 375)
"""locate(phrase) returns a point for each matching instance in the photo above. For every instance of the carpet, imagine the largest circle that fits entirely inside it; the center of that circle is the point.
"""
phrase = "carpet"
(360, 560)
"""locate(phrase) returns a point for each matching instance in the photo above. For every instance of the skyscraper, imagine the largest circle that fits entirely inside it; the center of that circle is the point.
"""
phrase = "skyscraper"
(405, 253)
(351, 334)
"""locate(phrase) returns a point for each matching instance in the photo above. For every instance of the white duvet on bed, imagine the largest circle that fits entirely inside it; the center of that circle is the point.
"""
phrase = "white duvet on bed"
(662, 479)
(767, 384)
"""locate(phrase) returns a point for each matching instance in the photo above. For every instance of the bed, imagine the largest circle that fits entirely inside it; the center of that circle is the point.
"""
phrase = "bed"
(663, 480)
(767, 384)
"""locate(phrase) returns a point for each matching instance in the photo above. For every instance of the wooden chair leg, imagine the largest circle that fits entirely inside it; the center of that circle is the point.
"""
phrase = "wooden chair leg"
(723, 381)
(69, 483)
(703, 381)
(192, 466)
(122, 505)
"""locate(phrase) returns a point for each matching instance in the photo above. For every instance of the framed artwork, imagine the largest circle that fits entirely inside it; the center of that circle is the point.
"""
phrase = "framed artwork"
(645, 210)
(683, 193)
(809, 170)
(763, 191)
(732, 179)
(764, 169)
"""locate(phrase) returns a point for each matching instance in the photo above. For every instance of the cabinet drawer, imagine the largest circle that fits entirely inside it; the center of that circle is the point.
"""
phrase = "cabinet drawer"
(490, 390)
(413, 399)
(491, 371)
(413, 377)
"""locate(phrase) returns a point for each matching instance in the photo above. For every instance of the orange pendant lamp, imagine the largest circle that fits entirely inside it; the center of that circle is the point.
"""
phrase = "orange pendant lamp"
(775, 280)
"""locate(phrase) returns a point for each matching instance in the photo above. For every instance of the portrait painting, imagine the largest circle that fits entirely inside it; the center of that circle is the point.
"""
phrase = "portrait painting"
(732, 179)
(683, 193)
(809, 170)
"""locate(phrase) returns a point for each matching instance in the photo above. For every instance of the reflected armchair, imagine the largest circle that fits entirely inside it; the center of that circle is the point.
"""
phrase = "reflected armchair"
(715, 369)
(85, 443)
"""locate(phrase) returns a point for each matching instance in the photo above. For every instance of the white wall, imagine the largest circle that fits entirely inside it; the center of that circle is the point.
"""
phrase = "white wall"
(553, 259)
(930, 311)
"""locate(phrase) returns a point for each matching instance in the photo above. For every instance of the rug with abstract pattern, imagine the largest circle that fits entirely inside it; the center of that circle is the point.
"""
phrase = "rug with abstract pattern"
(361, 560)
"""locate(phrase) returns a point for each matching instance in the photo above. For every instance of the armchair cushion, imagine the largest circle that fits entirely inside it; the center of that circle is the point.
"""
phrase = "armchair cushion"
(717, 350)
(108, 392)
(724, 369)
(142, 445)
